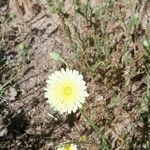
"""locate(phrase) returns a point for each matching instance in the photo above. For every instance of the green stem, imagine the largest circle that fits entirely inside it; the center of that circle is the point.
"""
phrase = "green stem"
(63, 61)
(104, 143)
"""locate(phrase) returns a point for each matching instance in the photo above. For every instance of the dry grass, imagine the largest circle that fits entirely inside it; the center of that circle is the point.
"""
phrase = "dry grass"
(20, 7)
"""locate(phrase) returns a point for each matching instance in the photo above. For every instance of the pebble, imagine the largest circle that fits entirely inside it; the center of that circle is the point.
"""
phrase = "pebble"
(99, 98)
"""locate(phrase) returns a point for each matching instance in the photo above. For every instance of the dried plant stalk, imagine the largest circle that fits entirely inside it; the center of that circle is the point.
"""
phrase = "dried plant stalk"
(21, 7)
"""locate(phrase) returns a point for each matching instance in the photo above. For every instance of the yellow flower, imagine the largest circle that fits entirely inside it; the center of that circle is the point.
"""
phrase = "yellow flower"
(67, 147)
(66, 90)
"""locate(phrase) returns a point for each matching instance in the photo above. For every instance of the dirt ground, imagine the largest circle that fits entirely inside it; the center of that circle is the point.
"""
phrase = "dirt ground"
(27, 121)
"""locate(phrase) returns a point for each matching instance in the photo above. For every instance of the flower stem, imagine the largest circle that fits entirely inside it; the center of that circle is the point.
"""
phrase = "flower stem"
(63, 61)
(104, 142)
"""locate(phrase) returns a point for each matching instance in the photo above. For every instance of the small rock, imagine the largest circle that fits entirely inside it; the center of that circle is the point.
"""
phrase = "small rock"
(134, 88)
(13, 93)
(99, 98)
(3, 131)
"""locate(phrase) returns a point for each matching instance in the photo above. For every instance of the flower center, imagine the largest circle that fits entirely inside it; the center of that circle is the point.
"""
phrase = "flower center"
(67, 147)
(67, 90)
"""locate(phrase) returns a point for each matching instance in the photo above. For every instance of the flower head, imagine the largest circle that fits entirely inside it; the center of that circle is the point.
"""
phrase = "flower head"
(67, 147)
(66, 90)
